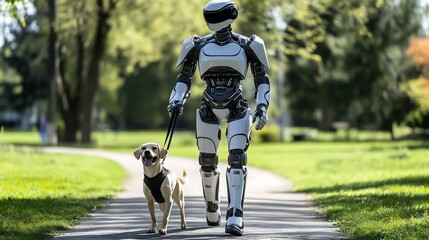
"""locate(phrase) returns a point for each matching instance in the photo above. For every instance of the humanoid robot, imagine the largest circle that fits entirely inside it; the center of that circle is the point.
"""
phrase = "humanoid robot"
(223, 58)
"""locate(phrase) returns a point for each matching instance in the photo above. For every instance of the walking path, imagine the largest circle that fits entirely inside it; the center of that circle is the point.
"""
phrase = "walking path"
(271, 209)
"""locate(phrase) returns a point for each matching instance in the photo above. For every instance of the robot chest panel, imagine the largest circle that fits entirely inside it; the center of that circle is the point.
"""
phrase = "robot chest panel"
(230, 55)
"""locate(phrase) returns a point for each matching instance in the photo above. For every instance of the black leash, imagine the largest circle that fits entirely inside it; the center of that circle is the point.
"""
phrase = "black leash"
(170, 130)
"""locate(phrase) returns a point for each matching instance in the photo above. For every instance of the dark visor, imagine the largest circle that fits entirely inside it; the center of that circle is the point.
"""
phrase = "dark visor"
(225, 13)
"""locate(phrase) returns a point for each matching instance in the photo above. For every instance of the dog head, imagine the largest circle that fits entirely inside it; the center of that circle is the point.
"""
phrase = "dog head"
(150, 153)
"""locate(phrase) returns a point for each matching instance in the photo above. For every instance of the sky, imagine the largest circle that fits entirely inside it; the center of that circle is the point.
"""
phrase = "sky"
(6, 20)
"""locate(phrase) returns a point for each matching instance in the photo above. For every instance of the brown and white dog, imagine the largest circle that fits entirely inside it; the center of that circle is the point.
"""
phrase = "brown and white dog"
(160, 185)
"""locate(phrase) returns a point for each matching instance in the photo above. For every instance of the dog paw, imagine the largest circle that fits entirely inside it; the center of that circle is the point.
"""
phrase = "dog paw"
(151, 231)
(183, 226)
(163, 231)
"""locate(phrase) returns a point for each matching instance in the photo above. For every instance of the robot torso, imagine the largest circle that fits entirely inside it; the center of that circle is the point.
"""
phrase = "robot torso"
(223, 65)
(217, 59)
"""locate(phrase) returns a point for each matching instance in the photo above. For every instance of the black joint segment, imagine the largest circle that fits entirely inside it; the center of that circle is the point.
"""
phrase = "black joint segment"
(237, 158)
(208, 161)
(207, 114)
(229, 213)
(184, 79)
(212, 207)
(238, 213)
(188, 69)
(266, 79)
(258, 69)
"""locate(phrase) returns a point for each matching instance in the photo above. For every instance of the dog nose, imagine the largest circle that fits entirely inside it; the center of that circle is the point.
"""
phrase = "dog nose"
(146, 152)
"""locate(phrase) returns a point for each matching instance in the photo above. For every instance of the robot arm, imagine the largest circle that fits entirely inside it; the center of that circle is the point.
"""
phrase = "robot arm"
(181, 91)
(259, 66)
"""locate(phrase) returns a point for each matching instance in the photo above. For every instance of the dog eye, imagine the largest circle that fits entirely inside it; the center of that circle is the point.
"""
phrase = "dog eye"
(154, 148)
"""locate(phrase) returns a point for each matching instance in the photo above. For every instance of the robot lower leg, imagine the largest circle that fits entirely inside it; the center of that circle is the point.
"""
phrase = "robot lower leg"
(210, 181)
(236, 181)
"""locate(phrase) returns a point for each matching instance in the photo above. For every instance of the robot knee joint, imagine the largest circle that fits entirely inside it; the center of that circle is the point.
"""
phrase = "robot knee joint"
(208, 161)
(237, 158)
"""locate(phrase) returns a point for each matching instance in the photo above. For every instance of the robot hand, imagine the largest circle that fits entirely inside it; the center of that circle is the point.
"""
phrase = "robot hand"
(175, 107)
(261, 113)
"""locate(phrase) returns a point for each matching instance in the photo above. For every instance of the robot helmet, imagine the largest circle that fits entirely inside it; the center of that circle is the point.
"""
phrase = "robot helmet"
(220, 14)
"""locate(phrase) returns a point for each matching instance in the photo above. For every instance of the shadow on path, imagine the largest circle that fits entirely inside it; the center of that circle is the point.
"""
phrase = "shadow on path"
(128, 218)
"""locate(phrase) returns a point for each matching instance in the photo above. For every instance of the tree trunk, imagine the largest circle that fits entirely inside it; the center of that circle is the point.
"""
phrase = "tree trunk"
(53, 72)
(71, 122)
(93, 73)
(71, 103)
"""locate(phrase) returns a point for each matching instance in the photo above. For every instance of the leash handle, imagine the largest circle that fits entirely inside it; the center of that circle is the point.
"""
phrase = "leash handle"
(170, 130)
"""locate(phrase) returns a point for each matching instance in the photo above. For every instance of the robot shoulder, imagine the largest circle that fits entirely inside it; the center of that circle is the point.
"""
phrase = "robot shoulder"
(187, 45)
(190, 44)
(258, 47)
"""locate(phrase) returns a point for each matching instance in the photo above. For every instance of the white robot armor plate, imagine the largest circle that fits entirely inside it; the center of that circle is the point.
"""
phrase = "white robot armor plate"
(229, 55)
(258, 47)
(187, 45)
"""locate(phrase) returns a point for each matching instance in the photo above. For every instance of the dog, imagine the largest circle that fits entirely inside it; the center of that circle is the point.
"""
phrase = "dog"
(161, 185)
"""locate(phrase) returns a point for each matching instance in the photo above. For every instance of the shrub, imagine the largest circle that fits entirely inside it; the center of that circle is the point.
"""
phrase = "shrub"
(270, 133)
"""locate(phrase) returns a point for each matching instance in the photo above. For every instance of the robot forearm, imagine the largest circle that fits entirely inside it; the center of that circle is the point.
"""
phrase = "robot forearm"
(180, 93)
(263, 95)
(178, 97)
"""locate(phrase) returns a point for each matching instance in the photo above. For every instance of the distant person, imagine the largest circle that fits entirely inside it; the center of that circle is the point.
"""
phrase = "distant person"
(223, 58)
(42, 128)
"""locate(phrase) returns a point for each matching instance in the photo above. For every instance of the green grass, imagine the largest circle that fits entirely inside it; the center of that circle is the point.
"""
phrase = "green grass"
(375, 190)
(371, 190)
(41, 194)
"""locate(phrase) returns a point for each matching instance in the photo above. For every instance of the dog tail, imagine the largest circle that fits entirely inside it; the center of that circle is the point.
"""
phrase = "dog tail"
(184, 177)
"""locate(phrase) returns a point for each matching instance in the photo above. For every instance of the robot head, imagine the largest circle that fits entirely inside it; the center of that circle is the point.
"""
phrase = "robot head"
(220, 14)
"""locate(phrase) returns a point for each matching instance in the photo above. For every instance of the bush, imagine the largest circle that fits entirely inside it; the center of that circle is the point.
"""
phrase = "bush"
(270, 133)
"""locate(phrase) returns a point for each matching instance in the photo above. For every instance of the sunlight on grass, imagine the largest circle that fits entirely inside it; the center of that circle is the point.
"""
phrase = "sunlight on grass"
(43, 193)
(371, 190)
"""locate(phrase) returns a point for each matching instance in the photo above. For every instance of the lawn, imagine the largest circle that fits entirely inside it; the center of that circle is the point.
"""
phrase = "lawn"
(41, 194)
(371, 189)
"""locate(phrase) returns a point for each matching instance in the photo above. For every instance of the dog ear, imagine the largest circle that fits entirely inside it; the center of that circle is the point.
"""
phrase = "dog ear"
(163, 153)
(137, 153)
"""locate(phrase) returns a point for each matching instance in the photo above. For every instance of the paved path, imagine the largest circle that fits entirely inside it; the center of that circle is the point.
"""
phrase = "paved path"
(271, 209)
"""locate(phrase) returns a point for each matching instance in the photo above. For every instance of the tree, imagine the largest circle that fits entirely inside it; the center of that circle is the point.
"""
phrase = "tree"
(23, 79)
(418, 89)
(357, 79)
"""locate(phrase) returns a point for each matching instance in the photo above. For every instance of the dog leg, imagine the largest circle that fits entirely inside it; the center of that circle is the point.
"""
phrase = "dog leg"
(166, 209)
(151, 207)
(180, 201)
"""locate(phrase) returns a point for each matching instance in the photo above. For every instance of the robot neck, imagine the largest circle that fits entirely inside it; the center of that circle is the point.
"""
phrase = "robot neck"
(223, 35)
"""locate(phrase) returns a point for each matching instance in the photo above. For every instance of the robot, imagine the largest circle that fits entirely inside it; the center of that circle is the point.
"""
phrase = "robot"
(223, 58)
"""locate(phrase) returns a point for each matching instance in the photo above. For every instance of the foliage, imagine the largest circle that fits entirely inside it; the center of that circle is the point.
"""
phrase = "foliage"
(418, 49)
(54, 194)
(418, 89)
(270, 134)
(14, 9)
(346, 59)
(357, 80)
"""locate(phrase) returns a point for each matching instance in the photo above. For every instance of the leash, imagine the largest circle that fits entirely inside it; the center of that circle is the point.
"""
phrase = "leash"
(170, 131)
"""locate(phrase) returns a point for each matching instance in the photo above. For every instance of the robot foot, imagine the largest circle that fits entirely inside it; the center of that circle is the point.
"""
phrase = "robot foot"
(213, 219)
(213, 216)
(233, 227)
